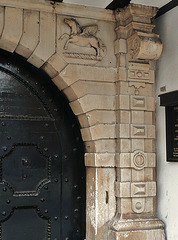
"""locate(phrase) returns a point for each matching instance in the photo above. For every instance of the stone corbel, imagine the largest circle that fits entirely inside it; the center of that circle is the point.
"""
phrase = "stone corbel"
(146, 46)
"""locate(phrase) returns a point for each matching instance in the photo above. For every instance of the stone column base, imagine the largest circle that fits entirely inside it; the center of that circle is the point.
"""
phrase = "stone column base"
(141, 229)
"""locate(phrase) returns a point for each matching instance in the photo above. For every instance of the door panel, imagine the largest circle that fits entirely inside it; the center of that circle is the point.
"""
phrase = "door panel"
(42, 173)
(19, 221)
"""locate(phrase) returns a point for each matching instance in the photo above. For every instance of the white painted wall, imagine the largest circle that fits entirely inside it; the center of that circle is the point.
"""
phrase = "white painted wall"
(93, 3)
(154, 3)
(105, 3)
(167, 75)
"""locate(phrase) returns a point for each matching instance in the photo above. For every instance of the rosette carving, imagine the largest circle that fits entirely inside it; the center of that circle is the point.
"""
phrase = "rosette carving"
(138, 160)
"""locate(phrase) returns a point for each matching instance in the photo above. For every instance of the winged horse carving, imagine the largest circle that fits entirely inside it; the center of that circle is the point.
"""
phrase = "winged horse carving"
(83, 36)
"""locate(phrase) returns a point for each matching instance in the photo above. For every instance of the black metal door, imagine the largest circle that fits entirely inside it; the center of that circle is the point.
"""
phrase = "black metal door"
(42, 174)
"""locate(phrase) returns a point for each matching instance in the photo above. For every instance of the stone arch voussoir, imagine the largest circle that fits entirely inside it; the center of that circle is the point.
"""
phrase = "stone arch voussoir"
(53, 68)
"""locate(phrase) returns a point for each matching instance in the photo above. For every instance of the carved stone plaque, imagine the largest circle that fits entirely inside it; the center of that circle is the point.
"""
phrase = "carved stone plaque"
(172, 133)
(170, 101)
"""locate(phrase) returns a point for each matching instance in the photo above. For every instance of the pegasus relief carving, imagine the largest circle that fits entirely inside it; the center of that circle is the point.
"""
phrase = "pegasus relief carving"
(83, 36)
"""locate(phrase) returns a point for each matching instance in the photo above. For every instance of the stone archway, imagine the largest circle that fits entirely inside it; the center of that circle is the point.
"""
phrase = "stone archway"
(113, 101)
(31, 32)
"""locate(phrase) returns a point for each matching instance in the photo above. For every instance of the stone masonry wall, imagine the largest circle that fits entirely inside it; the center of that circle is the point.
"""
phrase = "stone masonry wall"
(136, 47)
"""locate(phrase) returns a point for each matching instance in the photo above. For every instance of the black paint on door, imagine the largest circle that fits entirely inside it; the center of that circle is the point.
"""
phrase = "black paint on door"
(42, 173)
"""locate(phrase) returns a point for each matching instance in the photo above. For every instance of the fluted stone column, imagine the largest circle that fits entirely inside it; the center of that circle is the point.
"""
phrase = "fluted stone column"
(136, 49)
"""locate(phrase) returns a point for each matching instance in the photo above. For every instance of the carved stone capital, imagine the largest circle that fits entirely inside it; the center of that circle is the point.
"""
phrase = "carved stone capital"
(144, 46)
(135, 13)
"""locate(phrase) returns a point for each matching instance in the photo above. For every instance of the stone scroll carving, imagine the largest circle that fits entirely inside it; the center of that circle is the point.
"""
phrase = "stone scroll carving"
(85, 37)
(145, 46)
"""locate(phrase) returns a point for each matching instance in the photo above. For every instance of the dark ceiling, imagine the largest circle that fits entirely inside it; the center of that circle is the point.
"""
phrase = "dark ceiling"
(113, 5)
(118, 4)
(122, 3)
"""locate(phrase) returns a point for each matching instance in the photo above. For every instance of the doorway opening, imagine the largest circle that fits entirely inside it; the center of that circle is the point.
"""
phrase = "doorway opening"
(42, 172)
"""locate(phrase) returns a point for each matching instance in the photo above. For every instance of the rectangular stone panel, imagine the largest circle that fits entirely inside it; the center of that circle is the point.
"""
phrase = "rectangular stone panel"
(138, 102)
(138, 131)
(143, 189)
(139, 72)
(138, 75)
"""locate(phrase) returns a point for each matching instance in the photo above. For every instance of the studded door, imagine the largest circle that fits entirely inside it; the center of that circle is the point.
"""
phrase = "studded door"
(42, 175)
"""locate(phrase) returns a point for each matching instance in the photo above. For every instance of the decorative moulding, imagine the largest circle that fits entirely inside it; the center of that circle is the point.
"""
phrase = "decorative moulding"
(137, 224)
(62, 9)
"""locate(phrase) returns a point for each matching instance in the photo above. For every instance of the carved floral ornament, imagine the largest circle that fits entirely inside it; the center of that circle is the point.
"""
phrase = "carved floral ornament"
(83, 37)
(138, 160)
(145, 46)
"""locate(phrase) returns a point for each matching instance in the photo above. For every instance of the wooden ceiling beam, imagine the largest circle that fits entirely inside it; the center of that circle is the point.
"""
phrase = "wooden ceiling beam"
(118, 4)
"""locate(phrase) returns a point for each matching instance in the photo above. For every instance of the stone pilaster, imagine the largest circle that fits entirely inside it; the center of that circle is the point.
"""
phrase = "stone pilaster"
(136, 47)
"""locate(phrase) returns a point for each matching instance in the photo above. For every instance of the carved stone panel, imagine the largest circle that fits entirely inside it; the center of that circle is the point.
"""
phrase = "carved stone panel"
(138, 160)
(138, 205)
(138, 102)
(82, 42)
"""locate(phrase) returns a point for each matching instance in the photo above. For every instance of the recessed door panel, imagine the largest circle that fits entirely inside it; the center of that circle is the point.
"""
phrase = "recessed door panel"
(29, 221)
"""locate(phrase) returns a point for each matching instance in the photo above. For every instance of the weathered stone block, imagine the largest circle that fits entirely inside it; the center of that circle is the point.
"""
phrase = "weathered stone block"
(56, 63)
(125, 145)
(148, 118)
(91, 102)
(122, 74)
(150, 145)
(137, 144)
(30, 35)
(100, 160)
(46, 47)
(122, 189)
(138, 117)
(120, 46)
(124, 160)
(101, 146)
(140, 235)
(124, 130)
(101, 131)
(101, 211)
(82, 88)
(138, 175)
(123, 116)
(123, 102)
(125, 174)
(1, 19)
(12, 31)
